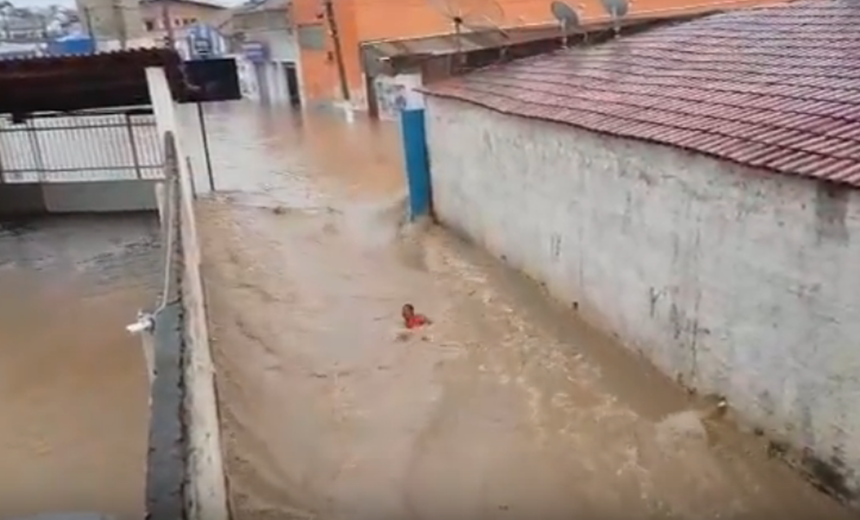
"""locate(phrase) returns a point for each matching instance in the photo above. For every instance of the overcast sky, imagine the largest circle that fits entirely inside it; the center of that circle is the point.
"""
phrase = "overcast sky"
(71, 3)
(43, 3)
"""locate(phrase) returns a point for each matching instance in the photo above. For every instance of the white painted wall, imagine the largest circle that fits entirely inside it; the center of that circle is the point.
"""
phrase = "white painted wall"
(396, 93)
(247, 78)
(733, 281)
(282, 48)
(282, 45)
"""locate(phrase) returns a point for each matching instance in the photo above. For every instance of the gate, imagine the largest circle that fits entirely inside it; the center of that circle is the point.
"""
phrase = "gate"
(86, 146)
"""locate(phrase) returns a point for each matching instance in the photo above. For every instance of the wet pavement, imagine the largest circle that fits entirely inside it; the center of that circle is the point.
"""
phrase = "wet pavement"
(505, 407)
(73, 385)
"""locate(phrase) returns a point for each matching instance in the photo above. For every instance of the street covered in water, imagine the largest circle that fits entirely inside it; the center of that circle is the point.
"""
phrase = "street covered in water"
(506, 406)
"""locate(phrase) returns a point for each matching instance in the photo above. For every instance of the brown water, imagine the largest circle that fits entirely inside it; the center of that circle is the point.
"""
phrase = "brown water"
(505, 407)
(73, 387)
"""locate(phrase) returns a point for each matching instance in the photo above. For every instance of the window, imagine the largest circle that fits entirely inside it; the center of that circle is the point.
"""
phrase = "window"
(149, 24)
(312, 37)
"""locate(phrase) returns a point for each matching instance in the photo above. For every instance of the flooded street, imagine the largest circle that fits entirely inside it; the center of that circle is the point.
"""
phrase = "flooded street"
(73, 386)
(504, 407)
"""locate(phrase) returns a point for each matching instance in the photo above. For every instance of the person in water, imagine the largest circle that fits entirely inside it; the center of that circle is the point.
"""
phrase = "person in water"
(412, 320)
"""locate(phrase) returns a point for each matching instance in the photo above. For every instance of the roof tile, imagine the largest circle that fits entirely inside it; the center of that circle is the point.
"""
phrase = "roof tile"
(775, 87)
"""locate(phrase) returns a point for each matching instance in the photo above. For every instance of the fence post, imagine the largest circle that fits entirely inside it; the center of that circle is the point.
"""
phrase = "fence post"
(129, 125)
(38, 159)
(417, 166)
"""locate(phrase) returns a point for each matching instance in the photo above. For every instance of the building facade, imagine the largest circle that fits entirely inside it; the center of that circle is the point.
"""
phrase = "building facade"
(706, 212)
(182, 15)
(118, 20)
(264, 36)
(362, 21)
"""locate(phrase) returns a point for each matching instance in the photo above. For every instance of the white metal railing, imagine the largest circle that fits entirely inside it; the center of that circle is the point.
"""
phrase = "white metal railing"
(94, 146)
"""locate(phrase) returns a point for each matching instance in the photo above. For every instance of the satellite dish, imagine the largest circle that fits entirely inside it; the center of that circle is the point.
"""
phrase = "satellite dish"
(616, 9)
(567, 18)
(472, 15)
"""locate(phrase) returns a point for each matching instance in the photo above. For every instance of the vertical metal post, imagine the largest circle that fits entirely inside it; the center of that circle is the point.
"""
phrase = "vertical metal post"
(191, 177)
(39, 161)
(168, 24)
(338, 51)
(88, 19)
(2, 173)
(417, 164)
(133, 146)
(202, 119)
(119, 24)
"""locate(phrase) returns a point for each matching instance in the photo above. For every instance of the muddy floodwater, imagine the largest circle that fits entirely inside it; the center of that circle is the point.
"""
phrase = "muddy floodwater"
(504, 407)
(73, 386)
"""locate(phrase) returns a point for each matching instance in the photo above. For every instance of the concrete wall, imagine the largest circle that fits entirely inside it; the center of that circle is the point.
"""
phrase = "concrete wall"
(100, 196)
(732, 281)
(206, 491)
(78, 197)
(21, 199)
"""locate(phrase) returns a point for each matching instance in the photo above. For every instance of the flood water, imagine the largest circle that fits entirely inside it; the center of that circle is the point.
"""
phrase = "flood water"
(73, 386)
(505, 407)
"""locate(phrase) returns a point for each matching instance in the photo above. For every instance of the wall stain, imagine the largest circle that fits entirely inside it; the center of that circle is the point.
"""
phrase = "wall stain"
(627, 217)
(555, 246)
(653, 296)
(831, 208)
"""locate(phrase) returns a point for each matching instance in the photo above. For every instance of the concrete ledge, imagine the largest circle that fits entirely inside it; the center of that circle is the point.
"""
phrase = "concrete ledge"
(100, 196)
(78, 197)
(206, 495)
(21, 200)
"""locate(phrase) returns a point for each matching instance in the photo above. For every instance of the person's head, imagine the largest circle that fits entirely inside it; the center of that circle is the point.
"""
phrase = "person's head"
(408, 310)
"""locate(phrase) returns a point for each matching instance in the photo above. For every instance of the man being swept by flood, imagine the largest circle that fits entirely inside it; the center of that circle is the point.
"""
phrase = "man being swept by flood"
(412, 321)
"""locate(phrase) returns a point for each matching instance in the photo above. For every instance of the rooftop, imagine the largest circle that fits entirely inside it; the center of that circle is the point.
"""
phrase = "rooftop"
(537, 37)
(773, 87)
(70, 83)
(199, 3)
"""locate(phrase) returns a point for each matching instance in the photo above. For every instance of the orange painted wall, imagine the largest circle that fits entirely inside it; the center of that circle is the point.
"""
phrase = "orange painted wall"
(318, 67)
(367, 20)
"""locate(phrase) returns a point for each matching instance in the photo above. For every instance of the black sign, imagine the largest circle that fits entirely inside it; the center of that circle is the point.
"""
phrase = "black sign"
(214, 79)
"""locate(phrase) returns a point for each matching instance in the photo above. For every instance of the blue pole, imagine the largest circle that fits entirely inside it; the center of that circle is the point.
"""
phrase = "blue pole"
(417, 167)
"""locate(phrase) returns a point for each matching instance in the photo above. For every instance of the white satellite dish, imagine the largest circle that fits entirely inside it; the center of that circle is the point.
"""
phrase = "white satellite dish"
(617, 10)
(568, 19)
(472, 15)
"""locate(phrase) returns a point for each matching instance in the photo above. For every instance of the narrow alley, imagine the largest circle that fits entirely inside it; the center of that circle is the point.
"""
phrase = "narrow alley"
(504, 407)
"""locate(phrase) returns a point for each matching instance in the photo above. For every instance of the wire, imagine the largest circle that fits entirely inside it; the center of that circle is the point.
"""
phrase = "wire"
(169, 246)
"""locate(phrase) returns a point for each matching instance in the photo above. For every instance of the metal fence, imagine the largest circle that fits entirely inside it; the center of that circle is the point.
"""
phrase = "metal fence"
(98, 146)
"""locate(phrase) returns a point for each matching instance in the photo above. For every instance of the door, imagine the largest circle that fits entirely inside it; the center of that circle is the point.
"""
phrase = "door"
(295, 95)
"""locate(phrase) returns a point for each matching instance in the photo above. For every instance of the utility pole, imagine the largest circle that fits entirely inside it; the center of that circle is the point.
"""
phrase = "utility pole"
(119, 23)
(338, 52)
(167, 22)
(88, 20)
(43, 25)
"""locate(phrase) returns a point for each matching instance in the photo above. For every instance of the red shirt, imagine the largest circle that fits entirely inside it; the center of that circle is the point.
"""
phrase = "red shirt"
(415, 321)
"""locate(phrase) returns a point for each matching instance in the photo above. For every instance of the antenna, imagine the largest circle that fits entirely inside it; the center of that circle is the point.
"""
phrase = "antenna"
(617, 9)
(474, 15)
(567, 18)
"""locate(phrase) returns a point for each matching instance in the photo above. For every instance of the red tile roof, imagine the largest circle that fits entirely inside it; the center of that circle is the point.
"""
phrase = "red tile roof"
(776, 88)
